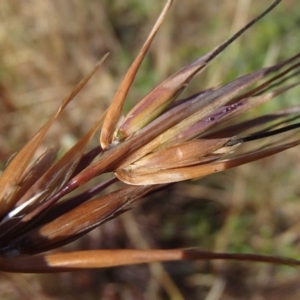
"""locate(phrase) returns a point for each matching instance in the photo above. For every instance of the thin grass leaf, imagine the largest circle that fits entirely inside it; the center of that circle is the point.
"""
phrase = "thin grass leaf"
(72, 261)
(41, 165)
(254, 122)
(68, 204)
(273, 82)
(182, 154)
(10, 179)
(115, 109)
(62, 170)
(145, 176)
(79, 220)
(223, 114)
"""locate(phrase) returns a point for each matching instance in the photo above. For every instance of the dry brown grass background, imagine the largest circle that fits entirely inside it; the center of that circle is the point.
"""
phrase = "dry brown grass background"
(47, 46)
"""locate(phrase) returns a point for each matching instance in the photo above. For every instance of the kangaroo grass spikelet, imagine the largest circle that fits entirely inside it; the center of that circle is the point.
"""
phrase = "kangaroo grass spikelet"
(162, 140)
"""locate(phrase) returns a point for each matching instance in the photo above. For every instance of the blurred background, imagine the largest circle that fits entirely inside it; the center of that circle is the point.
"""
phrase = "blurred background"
(47, 46)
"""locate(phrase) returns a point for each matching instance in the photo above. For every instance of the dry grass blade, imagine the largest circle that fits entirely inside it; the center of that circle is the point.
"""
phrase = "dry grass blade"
(41, 165)
(66, 262)
(292, 112)
(145, 176)
(59, 173)
(175, 156)
(81, 219)
(223, 114)
(115, 109)
(221, 96)
(10, 179)
(158, 99)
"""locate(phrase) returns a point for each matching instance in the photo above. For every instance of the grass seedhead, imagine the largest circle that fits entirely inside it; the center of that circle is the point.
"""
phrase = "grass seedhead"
(162, 140)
